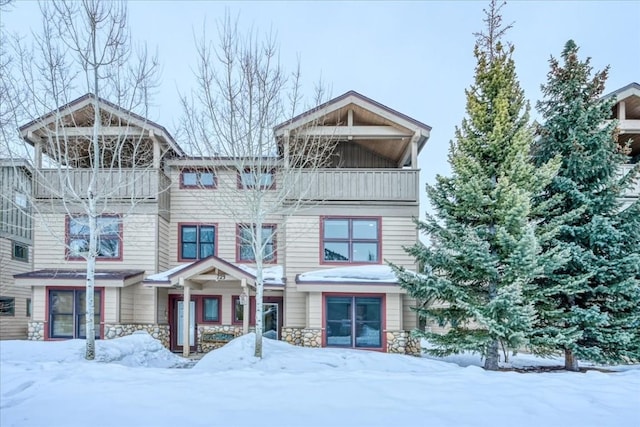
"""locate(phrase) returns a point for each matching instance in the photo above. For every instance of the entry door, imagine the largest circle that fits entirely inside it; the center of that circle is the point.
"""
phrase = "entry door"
(192, 324)
(270, 320)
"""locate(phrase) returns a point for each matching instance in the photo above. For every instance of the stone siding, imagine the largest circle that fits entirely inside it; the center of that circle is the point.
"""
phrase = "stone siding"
(205, 347)
(403, 343)
(159, 332)
(302, 337)
(35, 331)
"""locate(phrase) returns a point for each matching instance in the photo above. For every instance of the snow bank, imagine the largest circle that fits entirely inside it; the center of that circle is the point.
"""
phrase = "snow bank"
(364, 273)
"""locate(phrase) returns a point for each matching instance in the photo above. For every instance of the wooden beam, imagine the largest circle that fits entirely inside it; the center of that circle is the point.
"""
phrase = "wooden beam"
(186, 316)
(411, 152)
(355, 132)
(104, 131)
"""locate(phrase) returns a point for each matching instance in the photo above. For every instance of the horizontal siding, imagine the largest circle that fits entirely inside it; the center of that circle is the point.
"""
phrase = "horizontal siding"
(111, 312)
(39, 303)
(13, 327)
(163, 244)
(139, 244)
(295, 308)
(126, 304)
(314, 304)
(163, 306)
(409, 317)
(394, 311)
(14, 222)
(144, 304)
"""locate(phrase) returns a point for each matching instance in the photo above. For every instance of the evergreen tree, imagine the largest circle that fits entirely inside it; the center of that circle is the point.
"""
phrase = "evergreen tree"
(484, 249)
(589, 309)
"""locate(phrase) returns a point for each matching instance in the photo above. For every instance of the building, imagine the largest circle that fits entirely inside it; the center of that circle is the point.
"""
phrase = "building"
(15, 247)
(167, 236)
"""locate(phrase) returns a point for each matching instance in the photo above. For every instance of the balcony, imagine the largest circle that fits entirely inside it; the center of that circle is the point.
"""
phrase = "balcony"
(393, 185)
(118, 185)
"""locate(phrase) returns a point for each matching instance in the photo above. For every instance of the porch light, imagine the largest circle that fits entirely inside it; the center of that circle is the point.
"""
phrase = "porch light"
(244, 298)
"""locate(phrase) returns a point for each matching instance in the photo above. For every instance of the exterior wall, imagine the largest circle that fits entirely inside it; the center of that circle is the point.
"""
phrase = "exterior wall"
(138, 244)
(13, 327)
(349, 155)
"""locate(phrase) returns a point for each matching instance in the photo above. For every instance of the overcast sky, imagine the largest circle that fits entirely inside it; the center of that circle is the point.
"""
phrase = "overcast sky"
(415, 57)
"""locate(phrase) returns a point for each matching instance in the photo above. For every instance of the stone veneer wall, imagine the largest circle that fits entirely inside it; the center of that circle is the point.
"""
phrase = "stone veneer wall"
(35, 331)
(402, 342)
(159, 332)
(205, 347)
(302, 337)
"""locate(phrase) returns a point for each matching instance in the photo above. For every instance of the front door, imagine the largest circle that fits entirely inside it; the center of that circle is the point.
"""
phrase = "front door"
(179, 308)
(270, 320)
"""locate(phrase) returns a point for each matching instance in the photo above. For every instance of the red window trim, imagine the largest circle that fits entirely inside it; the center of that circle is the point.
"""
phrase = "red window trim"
(198, 224)
(383, 316)
(275, 244)
(252, 310)
(350, 241)
(199, 300)
(67, 252)
(271, 171)
(198, 186)
(70, 288)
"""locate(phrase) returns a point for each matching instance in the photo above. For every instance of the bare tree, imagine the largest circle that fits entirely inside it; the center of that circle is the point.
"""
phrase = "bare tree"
(242, 95)
(85, 47)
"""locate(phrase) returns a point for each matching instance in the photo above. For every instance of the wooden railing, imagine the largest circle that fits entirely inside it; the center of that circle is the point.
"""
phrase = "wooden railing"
(113, 184)
(358, 185)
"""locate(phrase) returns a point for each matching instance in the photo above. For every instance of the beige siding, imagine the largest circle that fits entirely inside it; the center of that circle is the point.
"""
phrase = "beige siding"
(394, 312)
(163, 308)
(139, 244)
(144, 308)
(126, 304)
(409, 317)
(39, 304)
(111, 301)
(13, 327)
(314, 316)
(163, 244)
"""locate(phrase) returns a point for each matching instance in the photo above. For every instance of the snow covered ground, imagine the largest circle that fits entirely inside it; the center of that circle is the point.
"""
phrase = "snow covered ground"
(132, 384)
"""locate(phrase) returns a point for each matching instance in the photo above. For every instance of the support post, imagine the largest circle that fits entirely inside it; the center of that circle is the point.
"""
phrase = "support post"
(246, 308)
(156, 150)
(622, 110)
(186, 315)
(414, 151)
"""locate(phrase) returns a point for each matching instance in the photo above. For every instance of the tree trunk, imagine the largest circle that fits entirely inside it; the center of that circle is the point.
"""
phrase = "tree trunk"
(493, 355)
(570, 361)
(258, 254)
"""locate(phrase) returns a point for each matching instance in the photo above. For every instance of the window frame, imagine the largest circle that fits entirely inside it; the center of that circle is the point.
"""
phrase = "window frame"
(350, 240)
(68, 254)
(28, 307)
(267, 171)
(99, 326)
(235, 299)
(201, 316)
(274, 235)
(180, 256)
(383, 319)
(15, 245)
(8, 306)
(199, 185)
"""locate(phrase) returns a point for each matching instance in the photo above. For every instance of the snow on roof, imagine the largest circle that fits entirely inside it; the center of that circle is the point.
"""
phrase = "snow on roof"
(362, 273)
(164, 275)
(271, 275)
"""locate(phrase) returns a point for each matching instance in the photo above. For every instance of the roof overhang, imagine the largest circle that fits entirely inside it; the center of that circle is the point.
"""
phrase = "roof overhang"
(355, 288)
(211, 269)
(103, 278)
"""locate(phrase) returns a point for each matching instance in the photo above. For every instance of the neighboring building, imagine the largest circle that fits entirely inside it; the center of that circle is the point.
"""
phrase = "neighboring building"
(168, 237)
(15, 247)
(627, 112)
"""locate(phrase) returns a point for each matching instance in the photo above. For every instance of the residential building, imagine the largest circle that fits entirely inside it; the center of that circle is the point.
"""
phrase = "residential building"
(167, 236)
(15, 247)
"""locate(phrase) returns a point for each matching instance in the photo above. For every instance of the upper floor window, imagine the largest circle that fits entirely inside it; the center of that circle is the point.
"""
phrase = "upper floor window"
(197, 241)
(109, 229)
(245, 252)
(250, 178)
(350, 240)
(21, 200)
(194, 178)
(20, 252)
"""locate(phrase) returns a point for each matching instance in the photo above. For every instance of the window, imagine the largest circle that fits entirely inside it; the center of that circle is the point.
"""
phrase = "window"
(109, 237)
(21, 200)
(197, 241)
(28, 304)
(193, 178)
(353, 321)
(20, 252)
(350, 240)
(211, 309)
(238, 310)
(7, 306)
(245, 243)
(251, 179)
(67, 313)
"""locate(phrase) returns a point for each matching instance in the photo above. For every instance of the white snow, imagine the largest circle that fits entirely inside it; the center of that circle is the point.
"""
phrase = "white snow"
(363, 273)
(130, 384)
(271, 275)
(164, 275)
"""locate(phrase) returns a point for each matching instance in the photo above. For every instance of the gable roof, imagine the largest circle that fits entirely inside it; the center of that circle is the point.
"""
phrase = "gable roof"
(632, 88)
(85, 101)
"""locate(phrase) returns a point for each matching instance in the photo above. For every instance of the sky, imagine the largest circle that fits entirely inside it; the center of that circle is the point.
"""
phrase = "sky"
(415, 56)
(134, 382)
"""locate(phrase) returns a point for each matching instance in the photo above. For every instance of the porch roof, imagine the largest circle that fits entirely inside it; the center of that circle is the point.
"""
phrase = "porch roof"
(62, 277)
(369, 278)
(214, 268)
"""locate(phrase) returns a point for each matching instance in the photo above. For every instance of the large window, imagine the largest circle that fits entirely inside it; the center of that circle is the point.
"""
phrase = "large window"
(245, 251)
(67, 313)
(250, 178)
(7, 306)
(211, 309)
(109, 237)
(350, 240)
(353, 321)
(197, 241)
(194, 178)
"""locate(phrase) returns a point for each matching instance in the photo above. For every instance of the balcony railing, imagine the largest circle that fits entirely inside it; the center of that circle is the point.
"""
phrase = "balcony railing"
(396, 185)
(112, 184)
